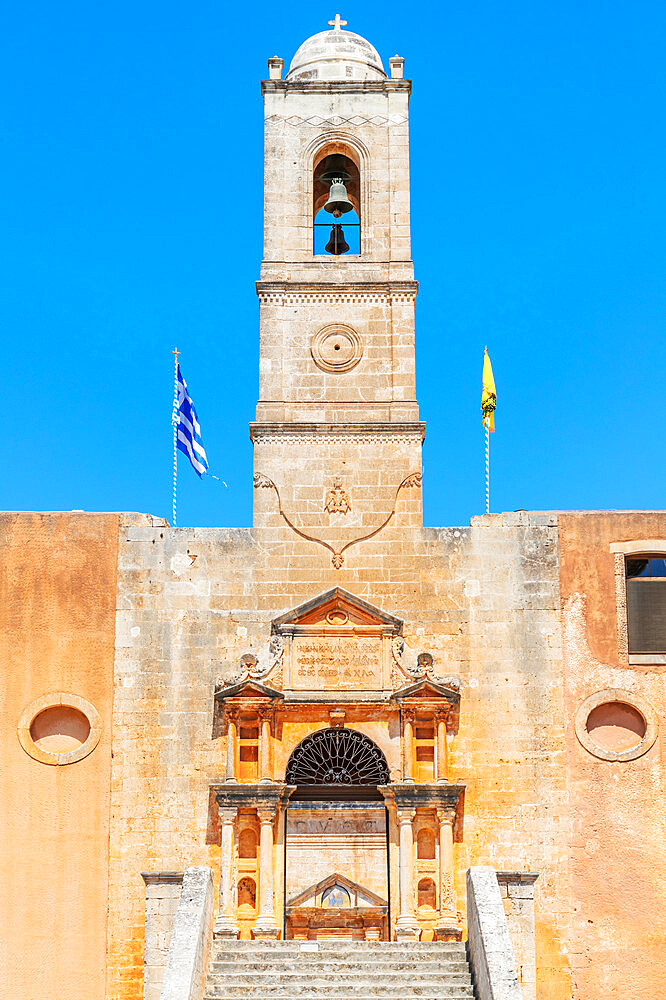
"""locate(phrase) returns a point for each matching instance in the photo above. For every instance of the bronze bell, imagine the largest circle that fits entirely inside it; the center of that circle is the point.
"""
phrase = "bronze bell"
(338, 202)
(336, 244)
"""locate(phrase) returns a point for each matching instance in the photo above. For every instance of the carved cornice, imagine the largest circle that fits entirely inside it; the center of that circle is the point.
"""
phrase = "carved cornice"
(335, 86)
(337, 121)
(254, 796)
(364, 433)
(160, 878)
(336, 292)
(516, 877)
(417, 796)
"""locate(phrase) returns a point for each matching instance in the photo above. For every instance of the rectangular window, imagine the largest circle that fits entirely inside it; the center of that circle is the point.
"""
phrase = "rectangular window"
(248, 750)
(646, 604)
(424, 740)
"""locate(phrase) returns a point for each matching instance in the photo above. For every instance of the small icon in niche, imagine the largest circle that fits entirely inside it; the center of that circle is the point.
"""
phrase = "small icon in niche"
(336, 896)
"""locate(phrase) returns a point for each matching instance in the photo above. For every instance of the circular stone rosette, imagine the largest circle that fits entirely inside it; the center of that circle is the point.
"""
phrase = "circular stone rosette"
(336, 348)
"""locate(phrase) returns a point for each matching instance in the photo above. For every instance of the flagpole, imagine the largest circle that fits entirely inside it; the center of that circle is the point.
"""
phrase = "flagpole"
(487, 427)
(174, 421)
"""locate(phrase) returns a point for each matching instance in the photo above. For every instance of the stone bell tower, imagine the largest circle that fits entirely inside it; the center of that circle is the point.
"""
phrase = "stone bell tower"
(337, 428)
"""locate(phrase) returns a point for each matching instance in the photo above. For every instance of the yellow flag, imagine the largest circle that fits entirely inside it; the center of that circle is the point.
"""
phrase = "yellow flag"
(488, 393)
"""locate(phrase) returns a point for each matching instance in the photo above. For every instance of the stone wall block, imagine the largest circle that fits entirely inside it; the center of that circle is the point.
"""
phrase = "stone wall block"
(491, 953)
(187, 963)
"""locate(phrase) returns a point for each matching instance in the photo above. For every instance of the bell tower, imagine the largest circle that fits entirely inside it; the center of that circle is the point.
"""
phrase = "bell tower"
(337, 406)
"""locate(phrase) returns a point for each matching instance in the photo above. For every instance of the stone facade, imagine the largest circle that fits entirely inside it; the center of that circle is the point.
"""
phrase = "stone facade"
(457, 659)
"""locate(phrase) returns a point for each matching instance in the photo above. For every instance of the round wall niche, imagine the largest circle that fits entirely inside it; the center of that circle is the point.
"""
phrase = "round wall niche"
(59, 728)
(336, 348)
(616, 725)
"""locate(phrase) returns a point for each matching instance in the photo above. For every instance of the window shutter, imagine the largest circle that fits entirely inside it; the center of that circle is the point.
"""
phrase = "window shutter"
(646, 616)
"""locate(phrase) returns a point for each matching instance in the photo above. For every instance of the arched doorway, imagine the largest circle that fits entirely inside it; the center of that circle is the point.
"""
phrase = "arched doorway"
(336, 838)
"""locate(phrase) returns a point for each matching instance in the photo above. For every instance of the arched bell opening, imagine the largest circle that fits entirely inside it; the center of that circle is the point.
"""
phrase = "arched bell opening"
(336, 209)
(337, 763)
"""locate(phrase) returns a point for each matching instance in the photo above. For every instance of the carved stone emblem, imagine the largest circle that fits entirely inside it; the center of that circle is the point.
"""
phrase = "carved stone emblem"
(412, 481)
(336, 349)
(337, 499)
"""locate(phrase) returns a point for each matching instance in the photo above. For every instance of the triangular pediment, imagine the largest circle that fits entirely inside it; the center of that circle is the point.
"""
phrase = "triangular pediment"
(337, 607)
(358, 894)
(249, 689)
(427, 690)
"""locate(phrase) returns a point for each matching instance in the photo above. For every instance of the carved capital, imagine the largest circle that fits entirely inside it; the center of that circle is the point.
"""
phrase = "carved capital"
(447, 816)
(227, 815)
(408, 713)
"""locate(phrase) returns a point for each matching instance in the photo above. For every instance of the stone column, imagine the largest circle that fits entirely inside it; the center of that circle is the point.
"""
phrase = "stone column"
(408, 746)
(447, 895)
(442, 755)
(231, 748)
(266, 926)
(225, 925)
(406, 928)
(265, 774)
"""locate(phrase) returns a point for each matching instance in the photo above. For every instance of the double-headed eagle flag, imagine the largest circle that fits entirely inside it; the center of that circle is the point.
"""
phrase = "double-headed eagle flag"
(488, 394)
(187, 427)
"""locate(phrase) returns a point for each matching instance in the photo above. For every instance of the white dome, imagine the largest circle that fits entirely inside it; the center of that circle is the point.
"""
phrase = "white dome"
(336, 55)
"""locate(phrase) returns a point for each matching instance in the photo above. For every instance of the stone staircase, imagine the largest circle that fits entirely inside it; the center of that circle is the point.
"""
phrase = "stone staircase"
(339, 970)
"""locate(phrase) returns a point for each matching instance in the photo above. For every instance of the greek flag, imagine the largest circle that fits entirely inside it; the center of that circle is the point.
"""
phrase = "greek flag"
(187, 425)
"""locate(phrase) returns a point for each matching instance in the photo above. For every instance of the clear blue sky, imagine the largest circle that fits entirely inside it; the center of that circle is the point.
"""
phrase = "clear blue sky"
(131, 179)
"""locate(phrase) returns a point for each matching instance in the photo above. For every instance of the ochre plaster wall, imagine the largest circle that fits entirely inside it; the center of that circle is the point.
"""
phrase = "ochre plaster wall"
(618, 829)
(57, 601)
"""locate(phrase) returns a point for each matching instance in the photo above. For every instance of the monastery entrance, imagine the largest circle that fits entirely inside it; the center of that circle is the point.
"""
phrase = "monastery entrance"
(336, 847)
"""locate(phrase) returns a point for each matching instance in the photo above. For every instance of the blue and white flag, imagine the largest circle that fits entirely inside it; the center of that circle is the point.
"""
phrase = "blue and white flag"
(187, 425)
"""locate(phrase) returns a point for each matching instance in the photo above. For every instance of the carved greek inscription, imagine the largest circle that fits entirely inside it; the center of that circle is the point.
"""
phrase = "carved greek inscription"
(338, 825)
(335, 662)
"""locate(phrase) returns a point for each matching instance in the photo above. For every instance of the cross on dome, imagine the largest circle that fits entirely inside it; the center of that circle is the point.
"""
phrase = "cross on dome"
(337, 23)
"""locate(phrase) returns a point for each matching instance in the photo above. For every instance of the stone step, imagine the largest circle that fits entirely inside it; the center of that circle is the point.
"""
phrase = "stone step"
(247, 951)
(363, 957)
(348, 967)
(439, 993)
(336, 945)
(366, 988)
(318, 981)
(339, 970)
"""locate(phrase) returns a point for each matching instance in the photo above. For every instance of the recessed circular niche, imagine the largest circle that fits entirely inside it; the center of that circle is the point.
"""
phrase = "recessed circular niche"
(59, 728)
(616, 725)
(336, 348)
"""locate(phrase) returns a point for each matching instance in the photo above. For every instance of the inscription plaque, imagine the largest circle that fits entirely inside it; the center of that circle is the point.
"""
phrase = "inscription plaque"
(337, 662)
